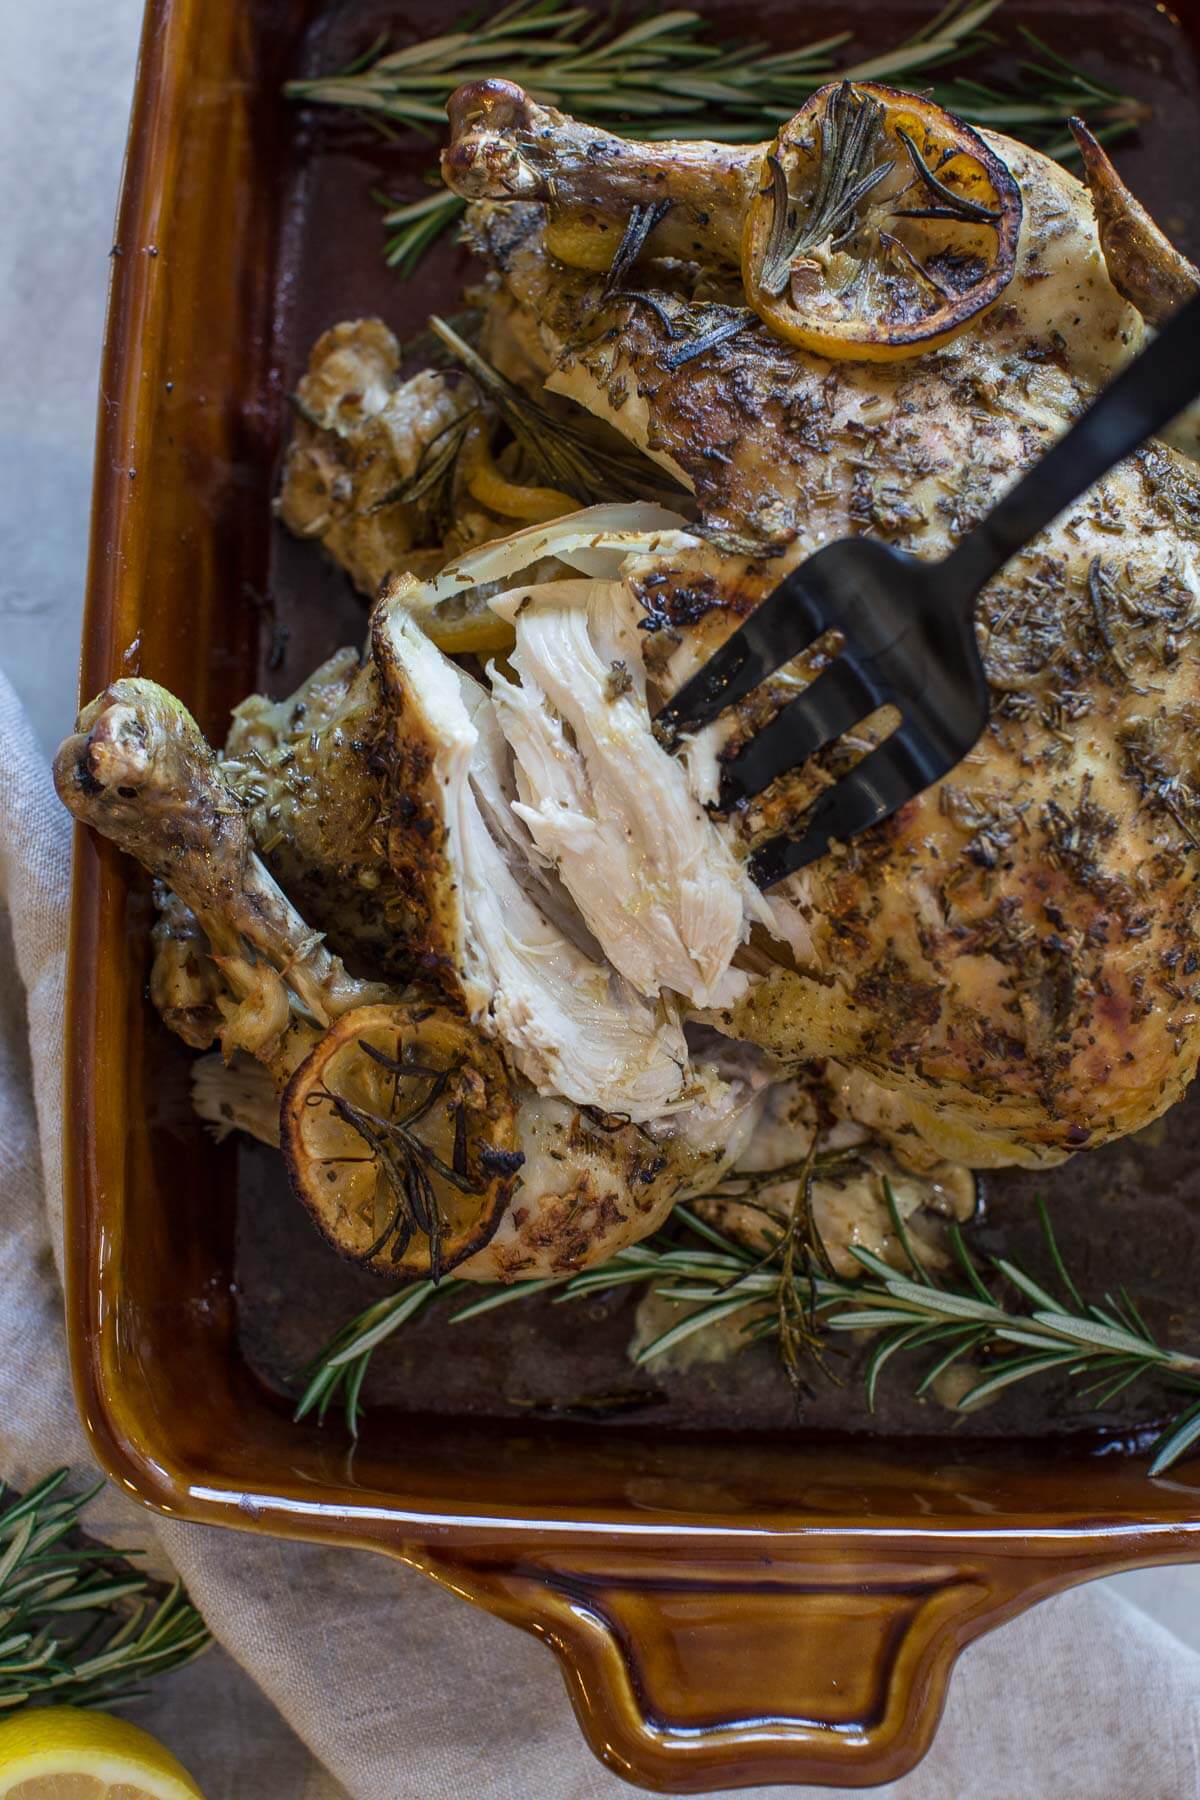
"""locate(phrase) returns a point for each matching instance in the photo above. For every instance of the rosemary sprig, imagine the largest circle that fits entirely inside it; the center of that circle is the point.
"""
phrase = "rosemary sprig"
(1105, 1348)
(79, 1625)
(664, 70)
(1046, 92)
(670, 76)
(563, 455)
(340, 1366)
(432, 474)
(1102, 1348)
(854, 161)
(413, 225)
(851, 166)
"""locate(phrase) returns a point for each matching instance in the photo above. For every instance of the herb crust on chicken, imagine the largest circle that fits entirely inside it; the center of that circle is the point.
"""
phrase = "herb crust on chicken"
(1014, 957)
(1006, 972)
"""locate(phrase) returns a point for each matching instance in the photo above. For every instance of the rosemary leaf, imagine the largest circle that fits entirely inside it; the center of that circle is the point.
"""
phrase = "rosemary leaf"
(1027, 1286)
(709, 1232)
(871, 1319)
(1102, 1393)
(604, 1277)
(933, 1301)
(1088, 1331)
(1175, 1442)
(79, 1625)
(687, 1327)
(918, 1268)
(875, 1265)
(642, 220)
(1017, 1370)
(493, 1297)
(884, 1350)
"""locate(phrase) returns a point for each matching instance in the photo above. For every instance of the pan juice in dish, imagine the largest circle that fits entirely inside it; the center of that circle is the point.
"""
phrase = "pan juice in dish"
(453, 927)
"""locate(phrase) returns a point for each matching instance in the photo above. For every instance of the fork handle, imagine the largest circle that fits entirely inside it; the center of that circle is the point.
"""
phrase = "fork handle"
(1144, 398)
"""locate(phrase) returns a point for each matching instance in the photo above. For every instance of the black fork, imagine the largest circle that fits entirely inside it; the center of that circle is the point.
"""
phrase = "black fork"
(909, 627)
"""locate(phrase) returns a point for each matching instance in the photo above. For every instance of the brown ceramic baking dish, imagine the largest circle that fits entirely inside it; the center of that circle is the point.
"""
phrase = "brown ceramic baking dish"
(728, 1606)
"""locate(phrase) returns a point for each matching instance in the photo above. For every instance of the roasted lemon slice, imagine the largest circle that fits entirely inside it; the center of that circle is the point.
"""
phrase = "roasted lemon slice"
(465, 625)
(881, 227)
(399, 1133)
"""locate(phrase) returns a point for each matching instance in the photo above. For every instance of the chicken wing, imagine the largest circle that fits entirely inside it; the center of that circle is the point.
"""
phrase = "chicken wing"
(139, 771)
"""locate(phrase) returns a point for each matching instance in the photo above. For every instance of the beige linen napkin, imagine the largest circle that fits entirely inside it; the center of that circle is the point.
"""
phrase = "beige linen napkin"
(390, 1688)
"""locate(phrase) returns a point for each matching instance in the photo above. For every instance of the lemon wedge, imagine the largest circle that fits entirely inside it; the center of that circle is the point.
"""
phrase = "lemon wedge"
(63, 1753)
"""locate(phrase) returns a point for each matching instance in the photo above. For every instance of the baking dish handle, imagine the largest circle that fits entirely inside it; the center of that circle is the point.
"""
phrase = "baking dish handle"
(780, 1665)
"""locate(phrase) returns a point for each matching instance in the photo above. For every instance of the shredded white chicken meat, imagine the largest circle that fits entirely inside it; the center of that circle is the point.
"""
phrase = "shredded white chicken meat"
(604, 802)
(572, 1025)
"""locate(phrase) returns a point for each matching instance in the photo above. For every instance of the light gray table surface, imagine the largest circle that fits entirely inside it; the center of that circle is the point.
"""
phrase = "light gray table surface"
(65, 84)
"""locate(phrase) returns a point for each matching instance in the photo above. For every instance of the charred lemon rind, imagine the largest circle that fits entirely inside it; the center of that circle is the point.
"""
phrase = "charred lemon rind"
(344, 1133)
(832, 187)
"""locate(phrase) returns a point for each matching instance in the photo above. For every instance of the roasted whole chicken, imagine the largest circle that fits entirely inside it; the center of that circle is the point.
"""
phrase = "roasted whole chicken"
(460, 921)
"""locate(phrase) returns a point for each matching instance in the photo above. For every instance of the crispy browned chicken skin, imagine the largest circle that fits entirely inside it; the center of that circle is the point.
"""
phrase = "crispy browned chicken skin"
(1014, 958)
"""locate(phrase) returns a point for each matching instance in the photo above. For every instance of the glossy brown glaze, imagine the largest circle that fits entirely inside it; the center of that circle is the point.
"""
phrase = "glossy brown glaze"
(728, 1608)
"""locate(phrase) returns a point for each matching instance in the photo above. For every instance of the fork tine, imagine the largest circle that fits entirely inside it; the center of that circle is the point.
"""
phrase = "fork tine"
(839, 697)
(787, 622)
(875, 788)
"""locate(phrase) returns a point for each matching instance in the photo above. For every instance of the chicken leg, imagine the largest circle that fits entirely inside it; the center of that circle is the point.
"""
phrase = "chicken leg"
(139, 771)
